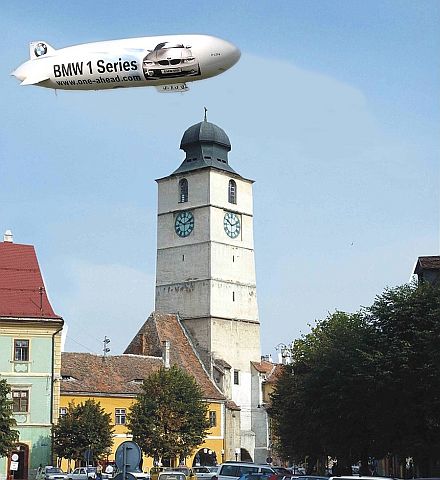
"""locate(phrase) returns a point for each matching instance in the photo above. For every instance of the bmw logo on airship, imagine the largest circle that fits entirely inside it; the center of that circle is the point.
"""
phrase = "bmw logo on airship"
(40, 49)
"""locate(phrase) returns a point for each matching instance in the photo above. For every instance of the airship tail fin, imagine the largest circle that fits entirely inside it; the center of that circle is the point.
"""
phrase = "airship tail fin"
(39, 49)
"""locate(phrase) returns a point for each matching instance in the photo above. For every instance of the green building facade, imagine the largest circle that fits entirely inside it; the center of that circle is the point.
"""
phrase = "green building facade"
(30, 359)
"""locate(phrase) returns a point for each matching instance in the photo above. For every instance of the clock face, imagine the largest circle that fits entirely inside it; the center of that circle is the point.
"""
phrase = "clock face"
(231, 224)
(184, 224)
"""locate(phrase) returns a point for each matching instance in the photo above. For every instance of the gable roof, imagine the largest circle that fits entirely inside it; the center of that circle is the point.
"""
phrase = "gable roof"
(159, 328)
(272, 370)
(427, 263)
(22, 291)
(88, 374)
(263, 366)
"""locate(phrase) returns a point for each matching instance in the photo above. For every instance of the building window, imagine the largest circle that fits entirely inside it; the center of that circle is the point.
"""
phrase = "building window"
(120, 416)
(236, 377)
(21, 350)
(183, 190)
(232, 192)
(20, 401)
(63, 411)
(212, 418)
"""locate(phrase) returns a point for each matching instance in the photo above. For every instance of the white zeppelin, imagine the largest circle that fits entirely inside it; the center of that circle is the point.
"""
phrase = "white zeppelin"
(166, 62)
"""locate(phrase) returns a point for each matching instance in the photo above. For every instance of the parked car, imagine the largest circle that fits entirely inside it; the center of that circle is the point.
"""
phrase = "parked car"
(189, 473)
(155, 471)
(85, 473)
(255, 476)
(234, 470)
(52, 473)
(357, 477)
(297, 470)
(204, 473)
(171, 475)
(311, 477)
(282, 471)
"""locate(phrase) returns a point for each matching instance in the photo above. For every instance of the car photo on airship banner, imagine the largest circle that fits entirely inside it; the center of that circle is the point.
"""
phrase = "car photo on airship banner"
(170, 60)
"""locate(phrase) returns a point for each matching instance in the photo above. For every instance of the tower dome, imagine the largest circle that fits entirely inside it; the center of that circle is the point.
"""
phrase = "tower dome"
(205, 132)
(205, 145)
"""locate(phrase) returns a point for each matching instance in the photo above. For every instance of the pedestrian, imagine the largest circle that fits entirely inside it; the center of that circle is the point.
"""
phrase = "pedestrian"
(99, 472)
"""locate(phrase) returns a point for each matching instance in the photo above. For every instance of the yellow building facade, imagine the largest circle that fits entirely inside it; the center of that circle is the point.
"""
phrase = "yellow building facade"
(119, 406)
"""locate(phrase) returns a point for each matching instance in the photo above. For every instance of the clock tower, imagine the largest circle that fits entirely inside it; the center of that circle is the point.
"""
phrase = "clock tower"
(205, 263)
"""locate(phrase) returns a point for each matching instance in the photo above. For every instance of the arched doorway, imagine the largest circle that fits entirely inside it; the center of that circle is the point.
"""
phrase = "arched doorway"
(205, 457)
(18, 462)
(245, 455)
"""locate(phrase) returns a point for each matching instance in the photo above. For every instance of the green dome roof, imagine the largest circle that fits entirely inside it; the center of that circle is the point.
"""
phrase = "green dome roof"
(205, 132)
(205, 145)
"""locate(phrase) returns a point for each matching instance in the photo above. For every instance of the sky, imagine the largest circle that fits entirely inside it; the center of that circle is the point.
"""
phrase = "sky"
(333, 110)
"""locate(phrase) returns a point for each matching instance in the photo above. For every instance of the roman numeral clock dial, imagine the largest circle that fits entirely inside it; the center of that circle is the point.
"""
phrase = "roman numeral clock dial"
(231, 224)
(184, 224)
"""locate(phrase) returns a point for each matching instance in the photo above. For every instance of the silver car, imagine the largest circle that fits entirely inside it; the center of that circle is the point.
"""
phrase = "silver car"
(52, 473)
(169, 60)
(204, 473)
(85, 473)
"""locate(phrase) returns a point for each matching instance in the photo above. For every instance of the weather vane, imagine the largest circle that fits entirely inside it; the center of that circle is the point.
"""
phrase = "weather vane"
(206, 110)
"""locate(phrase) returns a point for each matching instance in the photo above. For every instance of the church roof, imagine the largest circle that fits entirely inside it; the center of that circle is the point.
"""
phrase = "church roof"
(205, 145)
(22, 291)
(85, 373)
(159, 328)
(205, 132)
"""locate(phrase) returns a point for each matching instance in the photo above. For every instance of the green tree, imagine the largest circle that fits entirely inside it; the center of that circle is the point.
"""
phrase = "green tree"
(85, 426)
(408, 319)
(325, 401)
(169, 418)
(8, 436)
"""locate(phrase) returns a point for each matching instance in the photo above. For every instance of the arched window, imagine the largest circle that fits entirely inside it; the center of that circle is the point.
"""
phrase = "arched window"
(232, 192)
(183, 190)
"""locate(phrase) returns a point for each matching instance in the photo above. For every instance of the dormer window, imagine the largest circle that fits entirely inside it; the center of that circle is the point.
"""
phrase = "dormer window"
(183, 190)
(232, 192)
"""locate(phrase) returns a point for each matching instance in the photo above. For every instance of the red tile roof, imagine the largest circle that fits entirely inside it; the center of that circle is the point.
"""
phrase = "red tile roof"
(22, 291)
(427, 263)
(161, 327)
(88, 374)
(263, 366)
(272, 370)
(275, 373)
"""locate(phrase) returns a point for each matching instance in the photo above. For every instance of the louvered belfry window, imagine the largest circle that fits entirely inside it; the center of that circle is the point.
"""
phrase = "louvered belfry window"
(183, 190)
(232, 192)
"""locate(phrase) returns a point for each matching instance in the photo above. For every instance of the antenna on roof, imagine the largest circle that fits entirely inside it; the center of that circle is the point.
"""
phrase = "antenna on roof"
(106, 349)
(206, 110)
(41, 292)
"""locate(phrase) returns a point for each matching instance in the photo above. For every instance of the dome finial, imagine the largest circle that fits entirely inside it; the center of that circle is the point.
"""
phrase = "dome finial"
(206, 110)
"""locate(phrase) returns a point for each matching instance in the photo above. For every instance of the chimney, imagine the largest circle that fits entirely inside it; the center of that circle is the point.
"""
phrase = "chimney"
(143, 344)
(166, 354)
(8, 237)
